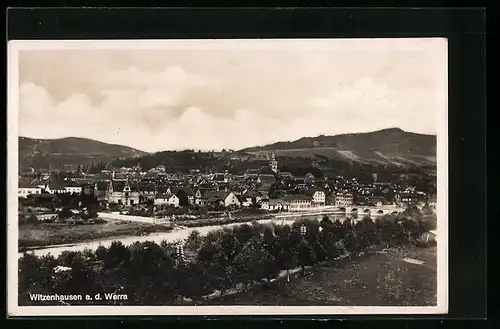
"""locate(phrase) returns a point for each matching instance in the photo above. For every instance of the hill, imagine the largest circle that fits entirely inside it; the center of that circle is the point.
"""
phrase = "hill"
(388, 146)
(69, 152)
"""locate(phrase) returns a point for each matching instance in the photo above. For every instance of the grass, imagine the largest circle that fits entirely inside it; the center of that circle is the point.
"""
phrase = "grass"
(381, 279)
(47, 234)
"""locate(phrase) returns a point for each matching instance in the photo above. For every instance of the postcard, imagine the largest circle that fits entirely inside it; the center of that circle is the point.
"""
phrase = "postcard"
(228, 177)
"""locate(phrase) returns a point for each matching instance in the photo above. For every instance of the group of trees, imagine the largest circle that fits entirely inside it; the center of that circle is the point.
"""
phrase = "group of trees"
(153, 274)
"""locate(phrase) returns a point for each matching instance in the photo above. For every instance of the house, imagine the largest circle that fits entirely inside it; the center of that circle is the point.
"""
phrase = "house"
(55, 187)
(225, 198)
(121, 191)
(166, 199)
(199, 196)
(147, 190)
(318, 197)
(297, 202)
(25, 189)
(73, 187)
(344, 200)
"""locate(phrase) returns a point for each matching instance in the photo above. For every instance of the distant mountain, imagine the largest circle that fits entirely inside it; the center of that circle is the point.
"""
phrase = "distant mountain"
(388, 146)
(69, 152)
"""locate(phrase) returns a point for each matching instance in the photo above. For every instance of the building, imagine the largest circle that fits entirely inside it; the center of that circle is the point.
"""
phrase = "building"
(274, 204)
(147, 190)
(344, 200)
(297, 202)
(73, 187)
(318, 197)
(224, 198)
(25, 189)
(120, 191)
(55, 187)
(273, 164)
(164, 199)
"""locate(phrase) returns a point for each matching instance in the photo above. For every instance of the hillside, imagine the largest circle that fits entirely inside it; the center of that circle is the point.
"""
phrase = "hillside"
(69, 152)
(388, 146)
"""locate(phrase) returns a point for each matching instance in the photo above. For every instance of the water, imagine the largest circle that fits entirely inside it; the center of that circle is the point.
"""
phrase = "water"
(173, 236)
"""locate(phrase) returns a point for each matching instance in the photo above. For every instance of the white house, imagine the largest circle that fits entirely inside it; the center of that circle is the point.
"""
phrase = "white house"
(166, 199)
(318, 197)
(26, 189)
(344, 200)
(223, 197)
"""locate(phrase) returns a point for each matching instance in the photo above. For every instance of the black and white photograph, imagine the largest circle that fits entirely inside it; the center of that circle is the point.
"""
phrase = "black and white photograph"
(228, 177)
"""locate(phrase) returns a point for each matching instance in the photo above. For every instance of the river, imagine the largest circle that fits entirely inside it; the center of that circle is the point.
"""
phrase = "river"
(173, 236)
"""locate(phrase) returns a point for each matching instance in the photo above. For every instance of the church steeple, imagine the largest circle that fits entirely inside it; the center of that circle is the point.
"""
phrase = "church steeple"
(273, 164)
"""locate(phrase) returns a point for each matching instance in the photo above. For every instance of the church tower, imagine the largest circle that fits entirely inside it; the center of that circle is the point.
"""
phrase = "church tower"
(273, 164)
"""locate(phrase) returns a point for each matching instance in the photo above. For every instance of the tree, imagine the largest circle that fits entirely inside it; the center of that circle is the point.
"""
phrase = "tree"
(194, 284)
(194, 241)
(305, 255)
(117, 254)
(286, 256)
(254, 263)
(65, 213)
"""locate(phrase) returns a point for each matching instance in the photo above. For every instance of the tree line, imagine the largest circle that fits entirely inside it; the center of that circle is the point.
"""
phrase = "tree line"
(240, 256)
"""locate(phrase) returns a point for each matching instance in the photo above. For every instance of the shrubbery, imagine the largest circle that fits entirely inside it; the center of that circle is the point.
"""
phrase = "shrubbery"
(150, 274)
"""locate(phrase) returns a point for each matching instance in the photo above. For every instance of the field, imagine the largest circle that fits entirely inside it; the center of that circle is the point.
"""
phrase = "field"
(46, 234)
(381, 279)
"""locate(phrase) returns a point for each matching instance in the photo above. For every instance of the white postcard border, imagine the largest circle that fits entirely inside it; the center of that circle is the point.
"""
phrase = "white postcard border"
(14, 310)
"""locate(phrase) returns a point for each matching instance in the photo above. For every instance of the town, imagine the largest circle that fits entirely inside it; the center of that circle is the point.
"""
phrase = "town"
(133, 191)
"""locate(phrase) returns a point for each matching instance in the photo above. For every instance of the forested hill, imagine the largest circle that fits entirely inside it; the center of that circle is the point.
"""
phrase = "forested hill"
(388, 146)
(70, 152)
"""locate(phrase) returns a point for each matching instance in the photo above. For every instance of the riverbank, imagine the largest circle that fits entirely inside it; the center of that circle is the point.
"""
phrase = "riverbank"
(44, 235)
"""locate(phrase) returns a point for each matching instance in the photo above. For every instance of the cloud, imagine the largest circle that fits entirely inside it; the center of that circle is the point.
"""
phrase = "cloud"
(136, 116)
(227, 99)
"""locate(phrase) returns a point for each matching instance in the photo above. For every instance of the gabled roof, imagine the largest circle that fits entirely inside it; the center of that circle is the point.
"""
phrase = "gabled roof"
(216, 195)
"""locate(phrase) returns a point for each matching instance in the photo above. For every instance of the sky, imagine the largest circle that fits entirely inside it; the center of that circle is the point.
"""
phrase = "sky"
(232, 94)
